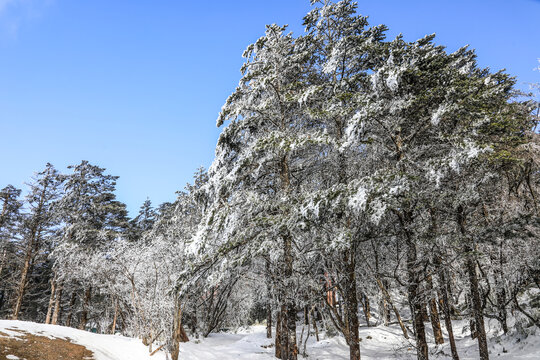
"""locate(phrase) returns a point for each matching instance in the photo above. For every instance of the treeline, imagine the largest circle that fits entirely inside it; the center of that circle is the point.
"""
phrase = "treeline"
(352, 169)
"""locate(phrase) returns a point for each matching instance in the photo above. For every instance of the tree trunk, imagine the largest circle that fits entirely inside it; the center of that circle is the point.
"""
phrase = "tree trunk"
(24, 280)
(424, 311)
(500, 288)
(385, 305)
(268, 320)
(288, 310)
(51, 301)
(476, 302)
(391, 303)
(278, 336)
(434, 313)
(477, 306)
(177, 333)
(291, 333)
(71, 305)
(57, 304)
(414, 299)
(284, 333)
(445, 305)
(84, 314)
(351, 306)
(268, 302)
(367, 308)
(113, 326)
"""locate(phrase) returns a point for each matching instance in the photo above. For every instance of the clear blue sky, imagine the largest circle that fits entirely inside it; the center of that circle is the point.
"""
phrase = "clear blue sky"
(135, 86)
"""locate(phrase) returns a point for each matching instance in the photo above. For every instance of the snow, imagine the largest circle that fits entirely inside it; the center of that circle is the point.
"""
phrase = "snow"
(436, 116)
(377, 342)
(392, 81)
(104, 347)
(359, 200)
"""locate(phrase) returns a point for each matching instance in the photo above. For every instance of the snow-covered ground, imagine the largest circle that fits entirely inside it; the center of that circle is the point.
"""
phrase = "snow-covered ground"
(377, 343)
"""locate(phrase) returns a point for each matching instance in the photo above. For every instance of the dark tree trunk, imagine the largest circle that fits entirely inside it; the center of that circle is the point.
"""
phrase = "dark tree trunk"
(413, 275)
(477, 306)
(498, 264)
(367, 308)
(445, 305)
(288, 310)
(268, 320)
(385, 305)
(391, 303)
(414, 299)
(351, 305)
(288, 316)
(86, 302)
(291, 333)
(424, 311)
(71, 305)
(501, 304)
(268, 302)
(278, 336)
(284, 336)
(476, 301)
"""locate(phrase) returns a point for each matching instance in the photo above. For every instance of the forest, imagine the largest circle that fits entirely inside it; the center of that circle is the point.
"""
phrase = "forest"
(358, 181)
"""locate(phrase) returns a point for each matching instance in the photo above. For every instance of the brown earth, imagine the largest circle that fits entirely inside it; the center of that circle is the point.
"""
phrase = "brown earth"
(32, 347)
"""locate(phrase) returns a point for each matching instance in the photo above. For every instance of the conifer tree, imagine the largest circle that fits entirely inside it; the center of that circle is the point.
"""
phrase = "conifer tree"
(38, 227)
(9, 220)
(91, 219)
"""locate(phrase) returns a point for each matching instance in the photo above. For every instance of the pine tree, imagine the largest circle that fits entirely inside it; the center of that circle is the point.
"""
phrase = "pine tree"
(38, 226)
(9, 220)
(91, 219)
(256, 171)
(142, 222)
(344, 50)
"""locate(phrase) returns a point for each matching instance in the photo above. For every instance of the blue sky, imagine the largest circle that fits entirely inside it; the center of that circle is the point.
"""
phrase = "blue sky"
(135, 86)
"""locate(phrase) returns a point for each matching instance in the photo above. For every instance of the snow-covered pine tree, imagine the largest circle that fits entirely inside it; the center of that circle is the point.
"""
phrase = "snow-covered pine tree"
(344, 50)
(258, 170)
(430, 115)
(91, 218)
(10, 218)
(37, 228)
(142, 222)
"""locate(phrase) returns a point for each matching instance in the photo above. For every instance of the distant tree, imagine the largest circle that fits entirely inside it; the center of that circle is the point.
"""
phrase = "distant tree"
(37, 227)
(9, 220)
(91, 219)
(142, 222)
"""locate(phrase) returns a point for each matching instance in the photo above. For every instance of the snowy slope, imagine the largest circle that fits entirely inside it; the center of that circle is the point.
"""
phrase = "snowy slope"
(104, 347)
(377, 343)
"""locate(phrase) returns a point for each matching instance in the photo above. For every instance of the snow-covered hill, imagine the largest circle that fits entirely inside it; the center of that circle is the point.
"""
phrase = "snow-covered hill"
(377, 343)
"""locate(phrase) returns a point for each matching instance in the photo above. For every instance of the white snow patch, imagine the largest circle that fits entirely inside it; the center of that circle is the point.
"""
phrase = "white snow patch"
(392, 81)
(436, 116)
(359, 200)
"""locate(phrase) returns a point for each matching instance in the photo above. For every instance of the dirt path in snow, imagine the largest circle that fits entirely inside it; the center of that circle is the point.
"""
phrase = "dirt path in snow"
(33, 347)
